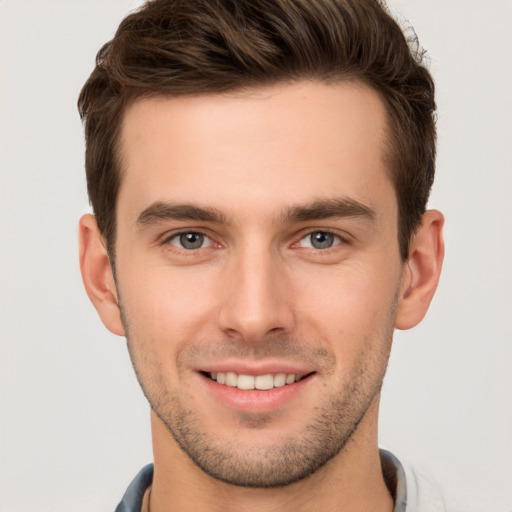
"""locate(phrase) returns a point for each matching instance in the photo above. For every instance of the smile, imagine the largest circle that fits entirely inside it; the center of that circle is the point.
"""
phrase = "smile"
(260, 382)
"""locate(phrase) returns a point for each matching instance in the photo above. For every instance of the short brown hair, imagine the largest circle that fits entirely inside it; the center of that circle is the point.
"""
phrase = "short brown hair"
(184, 47)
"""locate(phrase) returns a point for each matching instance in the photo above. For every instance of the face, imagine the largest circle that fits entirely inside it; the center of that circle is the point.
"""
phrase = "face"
(258, 272)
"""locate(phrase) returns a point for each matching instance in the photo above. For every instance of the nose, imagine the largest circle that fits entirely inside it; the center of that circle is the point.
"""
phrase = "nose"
(256, 299)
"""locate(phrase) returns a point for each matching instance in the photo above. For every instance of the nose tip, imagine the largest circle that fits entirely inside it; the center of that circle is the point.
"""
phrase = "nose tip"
(256, 302)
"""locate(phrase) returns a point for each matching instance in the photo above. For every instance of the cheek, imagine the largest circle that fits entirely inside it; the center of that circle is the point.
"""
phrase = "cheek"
(351, 309)
(164, 303)
(348, 294)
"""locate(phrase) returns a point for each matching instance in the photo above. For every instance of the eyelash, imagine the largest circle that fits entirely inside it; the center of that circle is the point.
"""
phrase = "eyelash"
(338, 240)
(168, 240)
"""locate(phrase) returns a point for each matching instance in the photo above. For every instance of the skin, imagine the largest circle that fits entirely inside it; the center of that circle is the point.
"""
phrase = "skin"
(255, 174)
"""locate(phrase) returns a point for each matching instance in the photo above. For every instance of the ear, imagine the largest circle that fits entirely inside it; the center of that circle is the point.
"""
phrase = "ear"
(421, 271)
(97, 274)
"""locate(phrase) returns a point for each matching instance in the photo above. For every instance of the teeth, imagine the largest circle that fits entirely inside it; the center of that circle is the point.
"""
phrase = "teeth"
(261, 382)
(245, 382)
(264, 382)
(231, 379)
(280, 380)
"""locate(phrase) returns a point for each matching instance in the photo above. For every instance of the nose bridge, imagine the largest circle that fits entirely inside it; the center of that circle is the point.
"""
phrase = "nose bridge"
(255, 295)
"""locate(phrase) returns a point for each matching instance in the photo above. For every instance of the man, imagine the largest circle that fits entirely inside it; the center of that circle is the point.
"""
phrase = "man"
(259, 172)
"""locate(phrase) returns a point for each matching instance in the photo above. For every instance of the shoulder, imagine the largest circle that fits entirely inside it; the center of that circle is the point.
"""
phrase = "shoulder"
(132, 499)
(423, 492)
(419, 490)
(413, 490)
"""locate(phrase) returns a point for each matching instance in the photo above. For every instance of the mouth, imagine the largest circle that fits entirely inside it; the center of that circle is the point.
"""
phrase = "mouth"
(262, 382)
(258, 390)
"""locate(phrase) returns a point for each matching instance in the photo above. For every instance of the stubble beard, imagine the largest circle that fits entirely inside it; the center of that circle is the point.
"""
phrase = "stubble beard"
(266, 465)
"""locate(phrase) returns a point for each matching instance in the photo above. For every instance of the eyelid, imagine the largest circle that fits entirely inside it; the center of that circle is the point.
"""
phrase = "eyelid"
(177, 236)
(343, 236)
(336, 240)
(166, 238)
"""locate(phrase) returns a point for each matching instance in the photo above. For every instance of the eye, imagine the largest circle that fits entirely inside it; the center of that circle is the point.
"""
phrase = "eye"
(320, 240)
(190, 240)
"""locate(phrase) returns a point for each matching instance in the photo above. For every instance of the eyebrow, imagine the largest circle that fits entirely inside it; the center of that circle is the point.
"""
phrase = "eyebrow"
(161, 211)
(327, 208)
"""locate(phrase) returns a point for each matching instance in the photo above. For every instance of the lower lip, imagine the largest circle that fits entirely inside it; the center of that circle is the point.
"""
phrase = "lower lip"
(254, 400)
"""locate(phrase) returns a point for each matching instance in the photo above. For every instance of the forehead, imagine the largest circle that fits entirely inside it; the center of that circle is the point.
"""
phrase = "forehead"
(266, 147)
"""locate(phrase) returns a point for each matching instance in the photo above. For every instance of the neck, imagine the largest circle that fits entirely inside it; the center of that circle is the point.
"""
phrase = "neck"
(352, 480)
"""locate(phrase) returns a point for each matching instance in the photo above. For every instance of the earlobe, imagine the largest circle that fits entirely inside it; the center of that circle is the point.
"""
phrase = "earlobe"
(97, 274)
(421, 271)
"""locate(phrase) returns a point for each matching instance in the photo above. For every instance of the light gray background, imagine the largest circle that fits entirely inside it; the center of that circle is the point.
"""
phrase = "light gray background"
(74, 426)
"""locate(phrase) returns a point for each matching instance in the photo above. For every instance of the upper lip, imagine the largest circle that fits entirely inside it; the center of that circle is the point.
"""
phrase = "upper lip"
(255, 368)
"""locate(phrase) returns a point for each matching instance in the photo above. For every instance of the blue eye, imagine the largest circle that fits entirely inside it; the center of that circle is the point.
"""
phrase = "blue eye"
(320, 240)
(190, 240)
